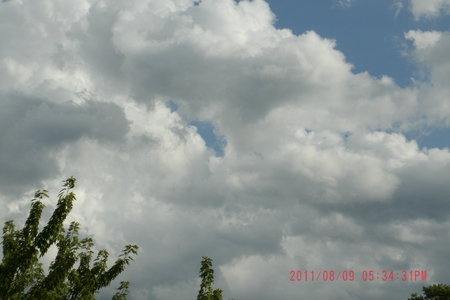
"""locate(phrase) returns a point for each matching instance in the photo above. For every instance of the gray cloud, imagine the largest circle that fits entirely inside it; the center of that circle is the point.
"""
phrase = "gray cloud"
(33, 130)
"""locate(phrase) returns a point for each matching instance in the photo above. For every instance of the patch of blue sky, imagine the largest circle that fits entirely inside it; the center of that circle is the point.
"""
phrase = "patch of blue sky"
(213, 141)
(206, 131)
(172, 105)
(426, 137)
(431, 137)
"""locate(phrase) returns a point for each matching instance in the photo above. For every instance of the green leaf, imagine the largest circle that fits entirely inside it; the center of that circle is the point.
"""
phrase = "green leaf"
(21, 274)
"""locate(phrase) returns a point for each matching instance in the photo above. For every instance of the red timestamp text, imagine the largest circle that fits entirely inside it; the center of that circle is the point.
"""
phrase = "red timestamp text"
(322, 275)
(384, 275)
(366, 275)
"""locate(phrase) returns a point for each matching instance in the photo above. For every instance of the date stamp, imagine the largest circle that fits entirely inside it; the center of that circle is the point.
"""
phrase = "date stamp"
(366, 275)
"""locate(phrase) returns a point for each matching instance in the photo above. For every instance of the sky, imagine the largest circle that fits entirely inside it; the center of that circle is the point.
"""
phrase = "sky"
(271, 136)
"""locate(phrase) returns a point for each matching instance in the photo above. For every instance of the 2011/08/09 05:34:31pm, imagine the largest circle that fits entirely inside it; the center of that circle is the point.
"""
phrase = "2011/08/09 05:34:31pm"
(365, 275)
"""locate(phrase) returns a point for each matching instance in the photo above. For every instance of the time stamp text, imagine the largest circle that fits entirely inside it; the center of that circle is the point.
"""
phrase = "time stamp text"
(366, 275)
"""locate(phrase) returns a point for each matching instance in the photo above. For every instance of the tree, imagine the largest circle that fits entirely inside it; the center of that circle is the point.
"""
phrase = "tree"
(434, 292)
(22, 276)
(207, 275)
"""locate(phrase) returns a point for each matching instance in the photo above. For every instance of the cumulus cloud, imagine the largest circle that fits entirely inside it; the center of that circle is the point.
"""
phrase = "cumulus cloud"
(33, 129)
(316, 173)
(429, 8)
(430, 51)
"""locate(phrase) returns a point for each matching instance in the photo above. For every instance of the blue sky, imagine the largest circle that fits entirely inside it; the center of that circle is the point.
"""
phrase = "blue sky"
(268, 135)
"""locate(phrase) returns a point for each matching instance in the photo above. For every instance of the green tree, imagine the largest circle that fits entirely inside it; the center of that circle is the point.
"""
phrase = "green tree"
(22, 276)
(207, 275)
(433, 292)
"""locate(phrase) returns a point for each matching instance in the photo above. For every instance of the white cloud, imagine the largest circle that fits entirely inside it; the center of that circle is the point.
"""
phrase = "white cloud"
(398, 5)
(423, 40)
(429, 8)
(431, 51)
(345, 3)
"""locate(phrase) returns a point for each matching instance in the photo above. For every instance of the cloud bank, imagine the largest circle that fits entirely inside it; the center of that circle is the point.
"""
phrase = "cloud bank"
(316, 173)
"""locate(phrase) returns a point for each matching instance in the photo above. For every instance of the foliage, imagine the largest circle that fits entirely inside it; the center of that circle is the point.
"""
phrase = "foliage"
(22, 276)
(434, 292)
(207, 275)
